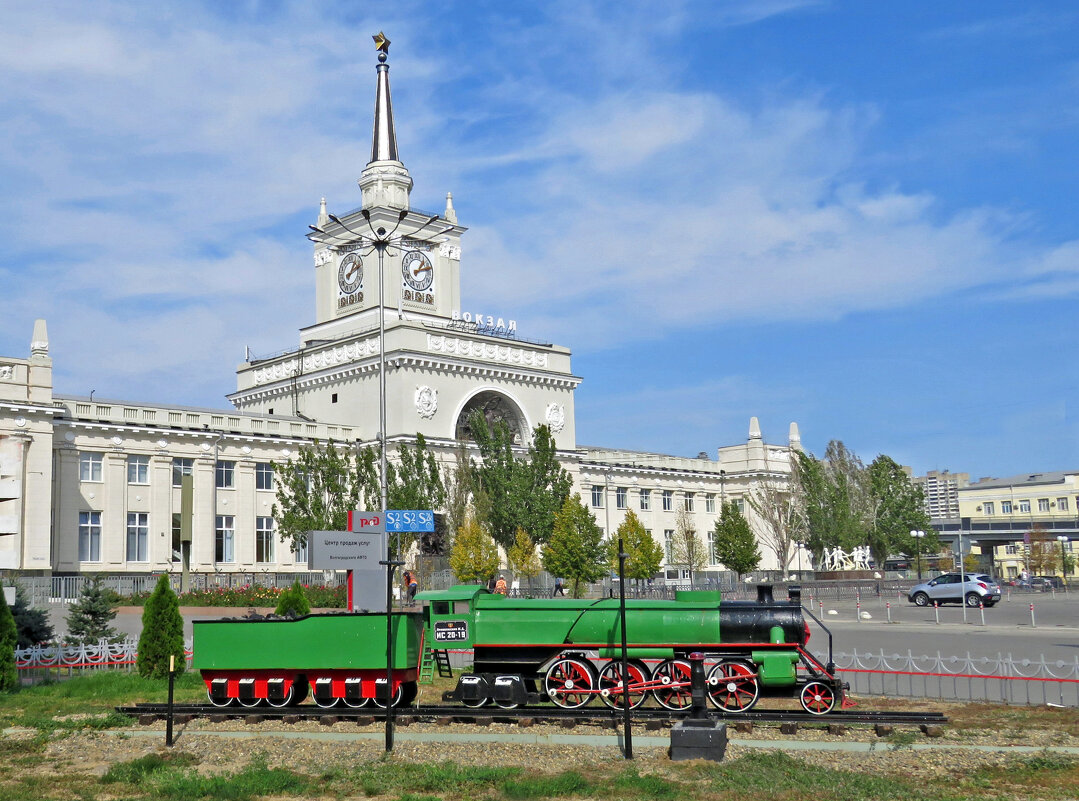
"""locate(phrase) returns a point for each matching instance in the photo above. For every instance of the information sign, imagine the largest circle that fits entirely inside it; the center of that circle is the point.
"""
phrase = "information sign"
(345, 550)
(410, 520)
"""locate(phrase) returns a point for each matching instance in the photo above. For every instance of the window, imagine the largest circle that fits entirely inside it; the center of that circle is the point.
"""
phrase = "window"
(177, 551)
(1024, 506)
(1043, 504)
(138, 469)
(597, 496)
(1011, 550)
(223, 476)
(646, 500)
(264, 539)
(264, 476)
(710, 503)
(668, 500)
(138, 536)
(988, 507)
(668, 544)
(1062, 504)
(711, 547)
(620, 494)
(333, 398)
(688, 502)
(223, 541)
(299, 555)
(89, 536)
(1005, 507)
(90, 466)
(181, 468)
(740, 503)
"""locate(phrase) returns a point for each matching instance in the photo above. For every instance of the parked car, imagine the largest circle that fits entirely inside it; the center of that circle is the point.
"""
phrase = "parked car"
(1047, 583)
(979, 588)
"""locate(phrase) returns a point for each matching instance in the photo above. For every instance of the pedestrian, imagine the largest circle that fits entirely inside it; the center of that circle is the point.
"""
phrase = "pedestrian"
(500, 586)
(412, 586)
(559, 588)
(491, 584)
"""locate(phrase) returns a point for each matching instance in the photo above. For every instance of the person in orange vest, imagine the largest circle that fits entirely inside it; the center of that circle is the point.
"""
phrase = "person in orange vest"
(500, 586)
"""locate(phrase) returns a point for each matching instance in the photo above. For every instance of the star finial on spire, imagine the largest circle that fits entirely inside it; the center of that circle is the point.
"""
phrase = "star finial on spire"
(382, 44)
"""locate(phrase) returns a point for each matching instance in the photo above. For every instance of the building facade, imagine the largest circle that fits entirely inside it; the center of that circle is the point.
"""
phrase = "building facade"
(93, 485)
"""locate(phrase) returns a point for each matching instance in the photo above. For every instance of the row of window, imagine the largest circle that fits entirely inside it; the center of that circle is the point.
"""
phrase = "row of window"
(644, 498)
(1007, 507)
(138, 471)
(138, 538)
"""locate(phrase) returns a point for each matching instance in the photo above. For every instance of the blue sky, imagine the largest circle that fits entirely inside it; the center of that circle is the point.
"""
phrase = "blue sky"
(860, 216)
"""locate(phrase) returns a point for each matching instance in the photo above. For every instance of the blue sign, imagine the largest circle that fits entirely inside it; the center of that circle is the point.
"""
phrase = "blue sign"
(411, 520)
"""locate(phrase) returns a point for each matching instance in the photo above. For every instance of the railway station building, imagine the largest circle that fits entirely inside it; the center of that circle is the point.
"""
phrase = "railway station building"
(91, 484)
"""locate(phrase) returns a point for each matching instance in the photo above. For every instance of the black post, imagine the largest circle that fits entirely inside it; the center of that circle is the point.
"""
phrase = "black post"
(391, 565)
(622, 556)
(168, 724)
(696, 680)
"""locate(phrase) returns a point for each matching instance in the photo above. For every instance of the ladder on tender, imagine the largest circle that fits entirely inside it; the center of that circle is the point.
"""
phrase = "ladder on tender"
(432, 659)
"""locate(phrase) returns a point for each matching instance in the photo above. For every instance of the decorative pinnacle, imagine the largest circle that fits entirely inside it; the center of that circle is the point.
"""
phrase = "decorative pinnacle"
(382, 45)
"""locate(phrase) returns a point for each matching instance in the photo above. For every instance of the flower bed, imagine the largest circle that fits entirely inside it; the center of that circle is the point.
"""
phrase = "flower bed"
(253, 595)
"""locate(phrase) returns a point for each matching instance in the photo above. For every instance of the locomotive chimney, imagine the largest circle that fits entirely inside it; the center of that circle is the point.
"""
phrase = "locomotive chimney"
(764, 594)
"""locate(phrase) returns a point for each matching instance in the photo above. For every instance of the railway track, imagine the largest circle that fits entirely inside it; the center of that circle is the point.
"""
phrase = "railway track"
(650, 718)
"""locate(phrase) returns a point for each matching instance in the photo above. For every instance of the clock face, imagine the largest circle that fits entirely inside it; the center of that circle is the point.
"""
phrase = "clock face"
(350, 273)
(417, 271)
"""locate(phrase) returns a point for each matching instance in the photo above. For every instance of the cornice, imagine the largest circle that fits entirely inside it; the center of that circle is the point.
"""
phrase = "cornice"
(161, 432)
(16, 406)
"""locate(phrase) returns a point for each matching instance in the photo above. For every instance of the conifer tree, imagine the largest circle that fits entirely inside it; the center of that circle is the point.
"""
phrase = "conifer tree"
(9, 676)
(162, 633)
(293, 602)
(32, 624)
(89, 617)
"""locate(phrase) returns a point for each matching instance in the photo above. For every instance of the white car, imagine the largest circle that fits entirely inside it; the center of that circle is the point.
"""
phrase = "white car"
(950, 588)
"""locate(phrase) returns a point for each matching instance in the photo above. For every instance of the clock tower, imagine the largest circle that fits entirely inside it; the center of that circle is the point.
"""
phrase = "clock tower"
(388, 277)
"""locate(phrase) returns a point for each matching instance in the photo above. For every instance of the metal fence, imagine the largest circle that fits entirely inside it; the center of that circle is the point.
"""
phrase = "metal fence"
(53, 662)
(999, 679)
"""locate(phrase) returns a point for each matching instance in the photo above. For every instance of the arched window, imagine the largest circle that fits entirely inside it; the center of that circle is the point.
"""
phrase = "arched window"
(494, 406)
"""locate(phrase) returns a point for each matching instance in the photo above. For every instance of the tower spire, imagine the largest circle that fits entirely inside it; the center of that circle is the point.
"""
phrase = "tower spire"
(385, 180)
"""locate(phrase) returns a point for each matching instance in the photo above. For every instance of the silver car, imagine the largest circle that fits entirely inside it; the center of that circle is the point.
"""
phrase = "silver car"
(979, 588)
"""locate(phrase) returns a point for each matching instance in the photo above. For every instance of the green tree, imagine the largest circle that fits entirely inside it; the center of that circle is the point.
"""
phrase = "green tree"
(810, 487)
(318, 489)
(162, 633)
(474, 555)
(32, 624)
(415, 482)
(687, 547)
(523, 558)
(733, 541)
(575, 549)
(292, 602)
(850, 496)
(644, 556)
(517, 492)
(460, 485)
(898, 509)
(89, 617)
(9, 675)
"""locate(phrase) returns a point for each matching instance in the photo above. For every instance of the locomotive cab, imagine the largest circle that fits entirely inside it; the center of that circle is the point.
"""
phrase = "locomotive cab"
(449, 616)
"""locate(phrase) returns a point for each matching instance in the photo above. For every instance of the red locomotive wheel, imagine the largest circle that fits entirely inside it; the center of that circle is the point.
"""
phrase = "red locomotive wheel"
(676, 692)
(818, 698)
(570, 683)
(732, 686)
(610, 685)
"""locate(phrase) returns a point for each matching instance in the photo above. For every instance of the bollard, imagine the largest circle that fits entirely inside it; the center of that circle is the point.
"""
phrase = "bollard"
(1033, 625)
(821, 608)
(889, 607)
(936, 611)
(858, 610)
(172, 679)
(981, 608)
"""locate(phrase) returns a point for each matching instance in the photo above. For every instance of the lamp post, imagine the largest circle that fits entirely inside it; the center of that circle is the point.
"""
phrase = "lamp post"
(799, 544)
(917, 535)
(1063, 564)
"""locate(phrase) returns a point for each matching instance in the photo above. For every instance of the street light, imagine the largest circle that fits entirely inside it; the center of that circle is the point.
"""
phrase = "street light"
(799, 544)
(918, 542)
(1063, 564)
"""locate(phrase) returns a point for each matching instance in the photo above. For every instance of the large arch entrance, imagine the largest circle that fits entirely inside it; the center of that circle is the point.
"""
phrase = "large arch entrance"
(495, 407)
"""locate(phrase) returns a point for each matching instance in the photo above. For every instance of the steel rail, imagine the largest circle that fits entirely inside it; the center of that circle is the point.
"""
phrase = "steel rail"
(604, 715)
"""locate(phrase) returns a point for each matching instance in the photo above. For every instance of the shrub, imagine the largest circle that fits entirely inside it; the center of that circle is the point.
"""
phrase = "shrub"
(162, 633)
(9, 676)
(293, 602)
(32, 625)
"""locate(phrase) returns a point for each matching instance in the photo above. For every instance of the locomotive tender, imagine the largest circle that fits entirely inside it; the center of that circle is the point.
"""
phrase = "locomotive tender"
(566, 651)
